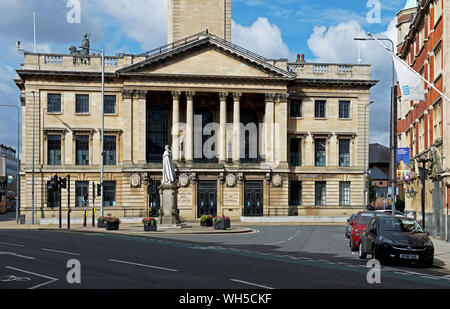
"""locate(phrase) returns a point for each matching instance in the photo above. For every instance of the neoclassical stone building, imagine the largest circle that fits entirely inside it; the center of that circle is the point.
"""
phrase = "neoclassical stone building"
(287, 138)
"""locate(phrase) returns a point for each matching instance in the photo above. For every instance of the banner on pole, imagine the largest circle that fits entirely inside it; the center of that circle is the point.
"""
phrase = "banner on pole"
(403, 166)
(411, 85)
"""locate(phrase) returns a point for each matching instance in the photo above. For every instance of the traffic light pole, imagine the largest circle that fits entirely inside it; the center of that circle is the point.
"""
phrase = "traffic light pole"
(93, 204)
(68, 202)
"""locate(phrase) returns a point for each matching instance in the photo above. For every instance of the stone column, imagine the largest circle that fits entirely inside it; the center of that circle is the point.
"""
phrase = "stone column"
(281, 149)
(142, 132)
(237, 128)
(223, 127)
(176, 126)
(127, 96)
(269, 127)
(189, 140)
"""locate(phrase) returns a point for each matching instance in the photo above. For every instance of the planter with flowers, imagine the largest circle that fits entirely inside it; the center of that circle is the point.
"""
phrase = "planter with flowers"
(112, 223)
(206, 220)
(101, 222)
(222, 223)
(150, 224)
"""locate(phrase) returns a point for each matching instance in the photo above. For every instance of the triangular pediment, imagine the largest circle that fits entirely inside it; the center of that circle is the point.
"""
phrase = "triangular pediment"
(207, 57)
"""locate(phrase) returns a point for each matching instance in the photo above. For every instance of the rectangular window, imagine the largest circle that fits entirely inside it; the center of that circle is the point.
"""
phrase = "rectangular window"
(54, 103)
(344, 152)
(296, 152)
(82, 104)
(321, 193)
(110, 150)
(438, 60)
(296, 193)
(82, 149)
(110, 104)
(53, 198)
(320, 108)
(81, 188)
(344, 193)
(344, 109)
(296, 108)
(54, 149)
(320, 152)
(109, 196)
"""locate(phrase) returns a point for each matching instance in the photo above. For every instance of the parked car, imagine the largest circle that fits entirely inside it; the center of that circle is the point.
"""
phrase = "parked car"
(362, 218)
(348, 228)
(396, 238)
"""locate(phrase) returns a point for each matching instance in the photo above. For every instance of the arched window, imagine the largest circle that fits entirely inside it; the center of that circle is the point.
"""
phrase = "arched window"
(157, 134)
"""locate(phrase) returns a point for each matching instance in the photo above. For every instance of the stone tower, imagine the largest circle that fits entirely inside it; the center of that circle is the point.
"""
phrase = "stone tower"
(188, 17)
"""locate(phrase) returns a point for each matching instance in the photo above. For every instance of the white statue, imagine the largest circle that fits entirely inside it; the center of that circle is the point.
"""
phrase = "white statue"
(168, 168)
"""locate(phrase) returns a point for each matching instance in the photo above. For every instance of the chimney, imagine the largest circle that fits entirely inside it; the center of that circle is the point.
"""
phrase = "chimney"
(303, 58)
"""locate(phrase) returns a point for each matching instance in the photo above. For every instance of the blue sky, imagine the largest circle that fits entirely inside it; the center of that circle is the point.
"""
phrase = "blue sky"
(322, 29)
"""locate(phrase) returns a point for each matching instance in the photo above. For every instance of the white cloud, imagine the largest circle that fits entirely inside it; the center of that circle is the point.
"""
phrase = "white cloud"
(336, 44)
(262, 38)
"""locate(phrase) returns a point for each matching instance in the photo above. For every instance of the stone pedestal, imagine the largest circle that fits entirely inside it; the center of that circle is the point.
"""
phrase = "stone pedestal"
(169, 214)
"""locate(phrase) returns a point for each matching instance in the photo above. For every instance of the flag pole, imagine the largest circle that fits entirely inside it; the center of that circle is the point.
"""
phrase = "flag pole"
(409, 68)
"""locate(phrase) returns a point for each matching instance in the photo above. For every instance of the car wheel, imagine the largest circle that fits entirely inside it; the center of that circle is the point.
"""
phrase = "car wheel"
(429, 261)
(361, 254)
(375, 256)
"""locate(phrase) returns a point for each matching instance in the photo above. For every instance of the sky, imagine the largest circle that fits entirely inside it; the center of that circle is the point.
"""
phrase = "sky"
(323, 30)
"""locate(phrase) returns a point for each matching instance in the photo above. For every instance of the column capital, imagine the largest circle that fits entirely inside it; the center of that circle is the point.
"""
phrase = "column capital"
(127, 93)
(237, 95)
(223, 96)
(282, 97)
(270, 97)
(140, 94)
(190, 95)
(176, 95)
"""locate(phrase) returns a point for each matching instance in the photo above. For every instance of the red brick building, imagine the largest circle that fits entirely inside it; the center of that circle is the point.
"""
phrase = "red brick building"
(423, 42)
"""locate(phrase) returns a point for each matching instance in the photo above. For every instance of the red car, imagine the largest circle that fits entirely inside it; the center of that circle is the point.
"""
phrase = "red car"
(362, 218)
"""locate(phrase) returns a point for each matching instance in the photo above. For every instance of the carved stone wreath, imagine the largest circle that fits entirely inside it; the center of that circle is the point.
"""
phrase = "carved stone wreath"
(184, 180)
(277, 180)
(231, 180)
(135, 180)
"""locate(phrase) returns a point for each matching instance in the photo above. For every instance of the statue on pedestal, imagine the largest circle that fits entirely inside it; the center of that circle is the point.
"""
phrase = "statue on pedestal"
(169, 213)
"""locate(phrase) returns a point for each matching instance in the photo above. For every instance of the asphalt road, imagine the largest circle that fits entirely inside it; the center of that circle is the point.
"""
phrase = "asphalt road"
(276, 257)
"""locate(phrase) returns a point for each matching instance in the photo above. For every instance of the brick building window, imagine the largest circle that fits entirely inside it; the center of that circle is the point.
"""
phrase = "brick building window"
(320, 152)
(109, 196)
(296, 152)
(320, 109)
(110, 104)
(296, 108)
(81, 188)
(110, 150)
(82, 149)
(344, 109)
(296, 193)
(344, 152)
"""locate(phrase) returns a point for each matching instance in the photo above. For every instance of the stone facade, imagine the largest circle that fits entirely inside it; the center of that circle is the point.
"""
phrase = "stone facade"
(157, 99)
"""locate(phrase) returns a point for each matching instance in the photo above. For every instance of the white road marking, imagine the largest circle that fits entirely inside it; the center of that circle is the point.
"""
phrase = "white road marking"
(58, 251)
(10, 244)
(142, 265)
(17, 255)
(38, 275)
(252, 284)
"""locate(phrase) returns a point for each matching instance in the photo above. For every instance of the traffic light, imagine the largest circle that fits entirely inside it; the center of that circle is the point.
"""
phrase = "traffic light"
(86, 197)
(99, 189)
(63, 182)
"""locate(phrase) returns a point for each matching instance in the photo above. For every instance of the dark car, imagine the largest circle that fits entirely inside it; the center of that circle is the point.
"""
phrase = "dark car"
(357, 225)
(350, 222)
(396, 238)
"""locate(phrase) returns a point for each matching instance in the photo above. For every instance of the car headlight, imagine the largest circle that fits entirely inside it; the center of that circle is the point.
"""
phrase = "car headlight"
(429, 244)
(385, 241)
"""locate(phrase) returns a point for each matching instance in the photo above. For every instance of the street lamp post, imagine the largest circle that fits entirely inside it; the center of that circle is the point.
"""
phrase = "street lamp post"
(371, 38)
(18, 158)
(32, 170)
(365, 154)
(103, 124)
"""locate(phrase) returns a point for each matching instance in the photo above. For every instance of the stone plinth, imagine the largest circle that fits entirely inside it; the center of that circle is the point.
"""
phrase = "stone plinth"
(169, 210)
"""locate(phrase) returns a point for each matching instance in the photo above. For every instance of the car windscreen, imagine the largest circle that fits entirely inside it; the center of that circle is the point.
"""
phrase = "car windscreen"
(365, 217)
(399, 225)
